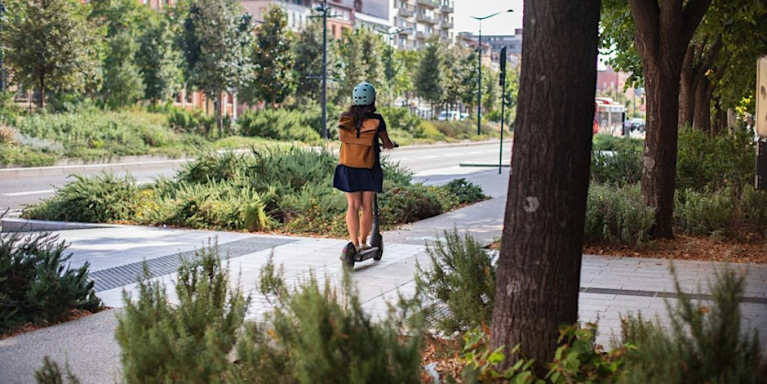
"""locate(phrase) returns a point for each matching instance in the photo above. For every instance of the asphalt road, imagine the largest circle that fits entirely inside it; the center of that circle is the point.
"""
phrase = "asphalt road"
(431, 164)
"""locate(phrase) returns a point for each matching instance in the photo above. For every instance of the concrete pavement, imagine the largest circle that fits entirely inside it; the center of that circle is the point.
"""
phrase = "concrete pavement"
(610, 286)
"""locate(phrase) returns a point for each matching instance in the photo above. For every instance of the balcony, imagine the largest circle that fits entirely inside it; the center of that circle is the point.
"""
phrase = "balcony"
(404, 12)
(420, 35)
(425, 19)
(431, 4)
(446, 9)
(446, 24)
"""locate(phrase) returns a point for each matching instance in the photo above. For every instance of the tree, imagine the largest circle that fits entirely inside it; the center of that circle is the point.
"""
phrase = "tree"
(122, 81)
(159, 60)
(403, 80)
(307, 51)
(122, 19)
(216, 42)
(273, 59)
(361, 53)
(51, 47)
(538, 276)
(428, 79)
(455, 70)
(663, 31)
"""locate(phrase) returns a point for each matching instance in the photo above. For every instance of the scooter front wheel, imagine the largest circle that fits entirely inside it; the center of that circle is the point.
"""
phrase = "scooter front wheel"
(377, 242)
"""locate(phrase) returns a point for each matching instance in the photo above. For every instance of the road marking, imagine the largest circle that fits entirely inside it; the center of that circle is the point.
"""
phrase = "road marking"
(29, 193)
(427, 157)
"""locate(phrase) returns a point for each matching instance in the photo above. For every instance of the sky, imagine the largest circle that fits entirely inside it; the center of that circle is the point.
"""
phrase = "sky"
(503, 24)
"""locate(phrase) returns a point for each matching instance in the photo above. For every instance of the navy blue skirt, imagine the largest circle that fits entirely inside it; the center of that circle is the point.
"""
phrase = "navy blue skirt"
(350, 179)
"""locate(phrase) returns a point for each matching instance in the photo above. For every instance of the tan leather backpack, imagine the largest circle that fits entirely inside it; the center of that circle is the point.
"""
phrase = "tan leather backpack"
(357, 146)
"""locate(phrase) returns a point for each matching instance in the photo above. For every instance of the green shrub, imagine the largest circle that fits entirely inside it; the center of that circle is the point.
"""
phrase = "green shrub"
(706, 213)
(36, 285)
(714, 162)
(402, 119)
(616, 143)
(97, 134)
(279, 124)
(620, 166)
(465, 191)
(705, 343)
(321, 334)
(617, 215)
(50, 373)
(401, 205)
(463, 278)
(12, 155)
(99, 199)
(189, 342)
(751, 215)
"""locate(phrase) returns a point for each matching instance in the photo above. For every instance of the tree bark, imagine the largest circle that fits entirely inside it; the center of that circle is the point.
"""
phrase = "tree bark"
(41, 103)
(219, 112)
(662, 35)
(686, 90)
(540, 262)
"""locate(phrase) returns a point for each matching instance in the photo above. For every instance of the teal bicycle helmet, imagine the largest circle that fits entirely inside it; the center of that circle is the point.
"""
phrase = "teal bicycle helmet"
(363, 94)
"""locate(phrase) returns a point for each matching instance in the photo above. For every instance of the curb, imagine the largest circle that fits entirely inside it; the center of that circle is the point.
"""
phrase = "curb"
(24, 225)
(489, 165)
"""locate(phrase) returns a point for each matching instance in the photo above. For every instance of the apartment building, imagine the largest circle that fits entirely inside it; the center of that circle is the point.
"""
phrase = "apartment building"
(419, 20)
(300, 13)
(492, 45)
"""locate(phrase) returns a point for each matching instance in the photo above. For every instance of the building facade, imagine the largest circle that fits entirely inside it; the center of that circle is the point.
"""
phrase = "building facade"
(419, 20)
(492, 45)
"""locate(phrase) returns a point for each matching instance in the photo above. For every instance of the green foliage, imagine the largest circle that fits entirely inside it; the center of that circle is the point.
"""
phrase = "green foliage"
(50, 373)
(194, 121)
(480, 363)
(461, 130)
(428, 77)
(705, 343)
(272, 80)
(36, 284)
(279, 124)
(92, 135)
(123, 84)
(361, 51)
(714, 162)
(706, 213)
(463, 278)
(217, 40)
(318, 333)
(99, 199)
(158, 59)
(616, 161)
(189, 342)
(13, 155)
(51, 47)
(307, 50)
(402, 119)
(617, 215)
(578, 359)
(410, 203)
(465, 191)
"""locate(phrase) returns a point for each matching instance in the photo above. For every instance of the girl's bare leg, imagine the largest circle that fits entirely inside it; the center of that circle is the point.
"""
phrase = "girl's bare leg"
(367, 215)
(354, 202)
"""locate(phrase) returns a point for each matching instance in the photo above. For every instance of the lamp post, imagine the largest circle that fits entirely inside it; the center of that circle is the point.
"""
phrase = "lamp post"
(389, 68)
(479, 66)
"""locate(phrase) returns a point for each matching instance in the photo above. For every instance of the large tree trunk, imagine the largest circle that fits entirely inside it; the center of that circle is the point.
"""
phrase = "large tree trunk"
(41, 102)
(686, 90)
(663, 31)
(702, 117)
(540, 263)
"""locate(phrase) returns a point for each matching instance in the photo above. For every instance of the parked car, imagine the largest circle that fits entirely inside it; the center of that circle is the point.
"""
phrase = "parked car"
(452, 115)
(637, 125)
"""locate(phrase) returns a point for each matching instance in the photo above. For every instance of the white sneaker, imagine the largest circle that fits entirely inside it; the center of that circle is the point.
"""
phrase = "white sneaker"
(362, 247)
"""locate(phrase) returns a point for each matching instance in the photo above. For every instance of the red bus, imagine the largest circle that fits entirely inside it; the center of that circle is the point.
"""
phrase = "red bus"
(608, 117)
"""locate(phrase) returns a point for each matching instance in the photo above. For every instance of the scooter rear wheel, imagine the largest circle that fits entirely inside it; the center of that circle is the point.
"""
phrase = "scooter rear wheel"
(377, 242)
(347, 255)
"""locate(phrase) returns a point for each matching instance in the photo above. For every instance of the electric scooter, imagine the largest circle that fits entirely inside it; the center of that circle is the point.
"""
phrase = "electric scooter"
(349, 254)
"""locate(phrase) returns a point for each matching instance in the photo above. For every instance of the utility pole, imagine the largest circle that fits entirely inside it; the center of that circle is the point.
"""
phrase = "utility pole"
(479, 67)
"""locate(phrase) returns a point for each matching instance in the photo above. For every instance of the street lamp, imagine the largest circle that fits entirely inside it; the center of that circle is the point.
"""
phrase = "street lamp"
(479, 66)
(324, 9)
(389, 68)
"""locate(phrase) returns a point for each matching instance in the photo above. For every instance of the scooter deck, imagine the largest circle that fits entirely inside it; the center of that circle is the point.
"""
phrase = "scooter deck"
(366, 254)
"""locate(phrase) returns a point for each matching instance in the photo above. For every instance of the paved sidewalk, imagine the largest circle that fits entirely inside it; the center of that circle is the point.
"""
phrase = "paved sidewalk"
(611, 286)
